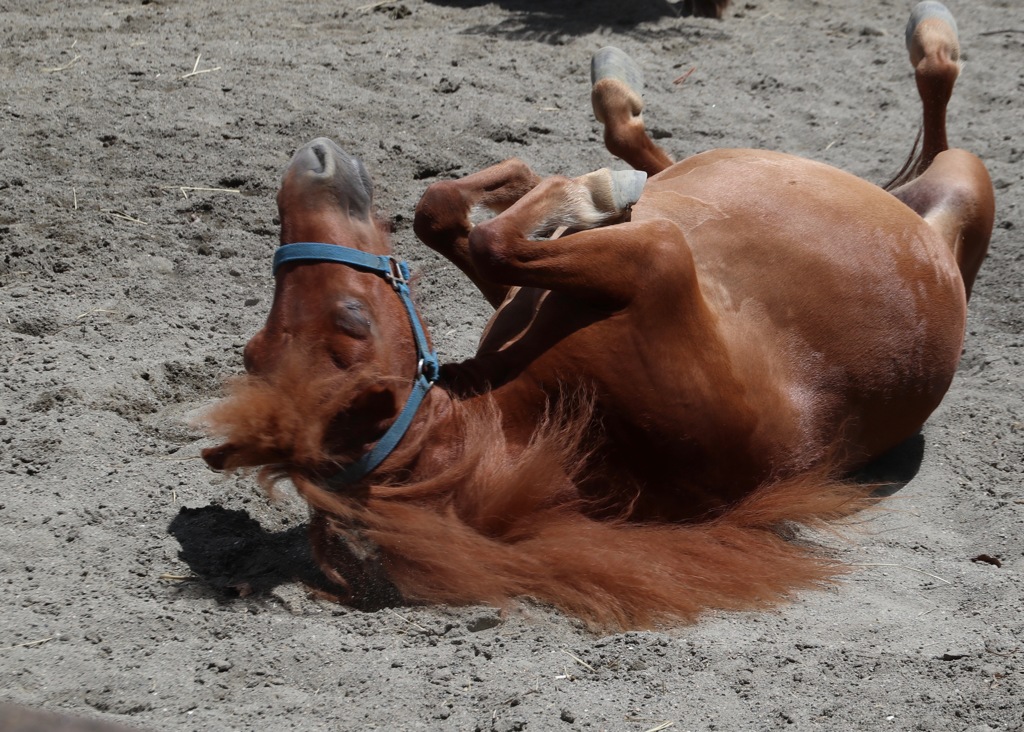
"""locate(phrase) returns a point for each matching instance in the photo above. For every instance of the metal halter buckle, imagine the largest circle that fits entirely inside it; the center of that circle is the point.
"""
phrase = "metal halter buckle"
(398, 275)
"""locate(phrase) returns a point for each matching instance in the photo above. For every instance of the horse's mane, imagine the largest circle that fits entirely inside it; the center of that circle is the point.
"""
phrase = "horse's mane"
(492, 524)
(286, 418)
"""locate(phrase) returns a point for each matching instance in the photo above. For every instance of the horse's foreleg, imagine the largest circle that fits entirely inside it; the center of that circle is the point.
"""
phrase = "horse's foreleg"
(442, 216)
(607, 266)
(615, 95)
(955, 197)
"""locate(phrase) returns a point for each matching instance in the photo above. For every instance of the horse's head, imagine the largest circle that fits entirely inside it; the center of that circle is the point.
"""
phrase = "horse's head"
(319, 384)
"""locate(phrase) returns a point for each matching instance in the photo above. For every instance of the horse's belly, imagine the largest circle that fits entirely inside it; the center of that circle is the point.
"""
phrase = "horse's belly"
(846, 296)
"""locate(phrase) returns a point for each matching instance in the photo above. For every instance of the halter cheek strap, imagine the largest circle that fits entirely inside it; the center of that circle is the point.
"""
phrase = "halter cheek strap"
(396, 272)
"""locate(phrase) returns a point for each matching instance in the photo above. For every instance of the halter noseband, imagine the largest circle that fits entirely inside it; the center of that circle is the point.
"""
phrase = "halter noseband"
(427, 370)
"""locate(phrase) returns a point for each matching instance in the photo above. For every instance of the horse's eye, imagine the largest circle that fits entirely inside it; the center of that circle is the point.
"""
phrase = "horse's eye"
(351, 317)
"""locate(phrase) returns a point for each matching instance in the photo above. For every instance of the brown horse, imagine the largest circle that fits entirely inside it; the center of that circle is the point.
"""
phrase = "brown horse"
(664, 389)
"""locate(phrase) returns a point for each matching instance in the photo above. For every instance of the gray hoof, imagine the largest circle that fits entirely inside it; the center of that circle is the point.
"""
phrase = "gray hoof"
(928, 10)
(613, 63)
(627, 186)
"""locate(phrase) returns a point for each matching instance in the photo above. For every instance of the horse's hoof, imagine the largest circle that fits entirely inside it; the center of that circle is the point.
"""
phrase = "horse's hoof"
(613, 63)
(929, 10)
(614, 191)
(627, 185)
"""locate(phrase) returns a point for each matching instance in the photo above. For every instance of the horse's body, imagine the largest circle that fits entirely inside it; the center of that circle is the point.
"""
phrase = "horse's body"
(715, 346)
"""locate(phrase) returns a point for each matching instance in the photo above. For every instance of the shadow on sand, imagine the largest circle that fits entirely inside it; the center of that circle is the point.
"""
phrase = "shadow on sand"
(554, 22)
(236, 557)
(893, 470)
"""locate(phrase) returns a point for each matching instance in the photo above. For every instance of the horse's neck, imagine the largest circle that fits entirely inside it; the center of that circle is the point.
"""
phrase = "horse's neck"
(451, 431)
(474, 465)
(436, 437)
(435, 441)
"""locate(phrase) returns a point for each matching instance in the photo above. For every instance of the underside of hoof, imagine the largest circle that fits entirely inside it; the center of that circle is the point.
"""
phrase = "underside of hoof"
(613, 63)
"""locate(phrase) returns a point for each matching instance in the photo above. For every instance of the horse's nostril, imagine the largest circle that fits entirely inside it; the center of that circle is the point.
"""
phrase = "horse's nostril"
(323, 166)
(315, 159)
(321, 157)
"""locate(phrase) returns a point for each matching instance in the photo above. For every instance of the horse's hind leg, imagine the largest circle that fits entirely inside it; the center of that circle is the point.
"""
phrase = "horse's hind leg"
(442, 216)
(615, 95)
(950, 189)
(955, 197)
(934, 48)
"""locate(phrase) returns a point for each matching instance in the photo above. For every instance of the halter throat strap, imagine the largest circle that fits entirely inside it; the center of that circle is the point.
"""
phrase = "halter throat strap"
(396, 273)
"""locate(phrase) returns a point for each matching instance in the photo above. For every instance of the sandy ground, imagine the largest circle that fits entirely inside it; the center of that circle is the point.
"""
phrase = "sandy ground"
(140, 149)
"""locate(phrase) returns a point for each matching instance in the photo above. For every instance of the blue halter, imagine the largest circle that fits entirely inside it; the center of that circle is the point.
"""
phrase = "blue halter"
(427, 370)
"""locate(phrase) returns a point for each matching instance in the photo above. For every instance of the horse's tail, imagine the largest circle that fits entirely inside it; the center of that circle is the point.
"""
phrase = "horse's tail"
(909, 171)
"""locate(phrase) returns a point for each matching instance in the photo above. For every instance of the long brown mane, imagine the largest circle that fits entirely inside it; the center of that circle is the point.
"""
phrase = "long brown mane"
(490, 528)
(491, 524)
(285, 417)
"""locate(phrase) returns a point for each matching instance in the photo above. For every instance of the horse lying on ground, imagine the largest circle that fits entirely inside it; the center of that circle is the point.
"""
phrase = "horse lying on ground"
(663, 391)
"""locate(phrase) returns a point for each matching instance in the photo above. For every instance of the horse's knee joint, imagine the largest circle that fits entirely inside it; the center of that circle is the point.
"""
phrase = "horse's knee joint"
(488, 251)
(439, 199)
(521, 168)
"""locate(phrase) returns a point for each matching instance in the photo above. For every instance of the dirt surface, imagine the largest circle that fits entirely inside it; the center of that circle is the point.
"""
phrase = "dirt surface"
(140, 152)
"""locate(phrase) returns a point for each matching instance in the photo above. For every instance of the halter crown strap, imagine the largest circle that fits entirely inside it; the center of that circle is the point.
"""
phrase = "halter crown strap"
(316, 252)
(396, 272)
